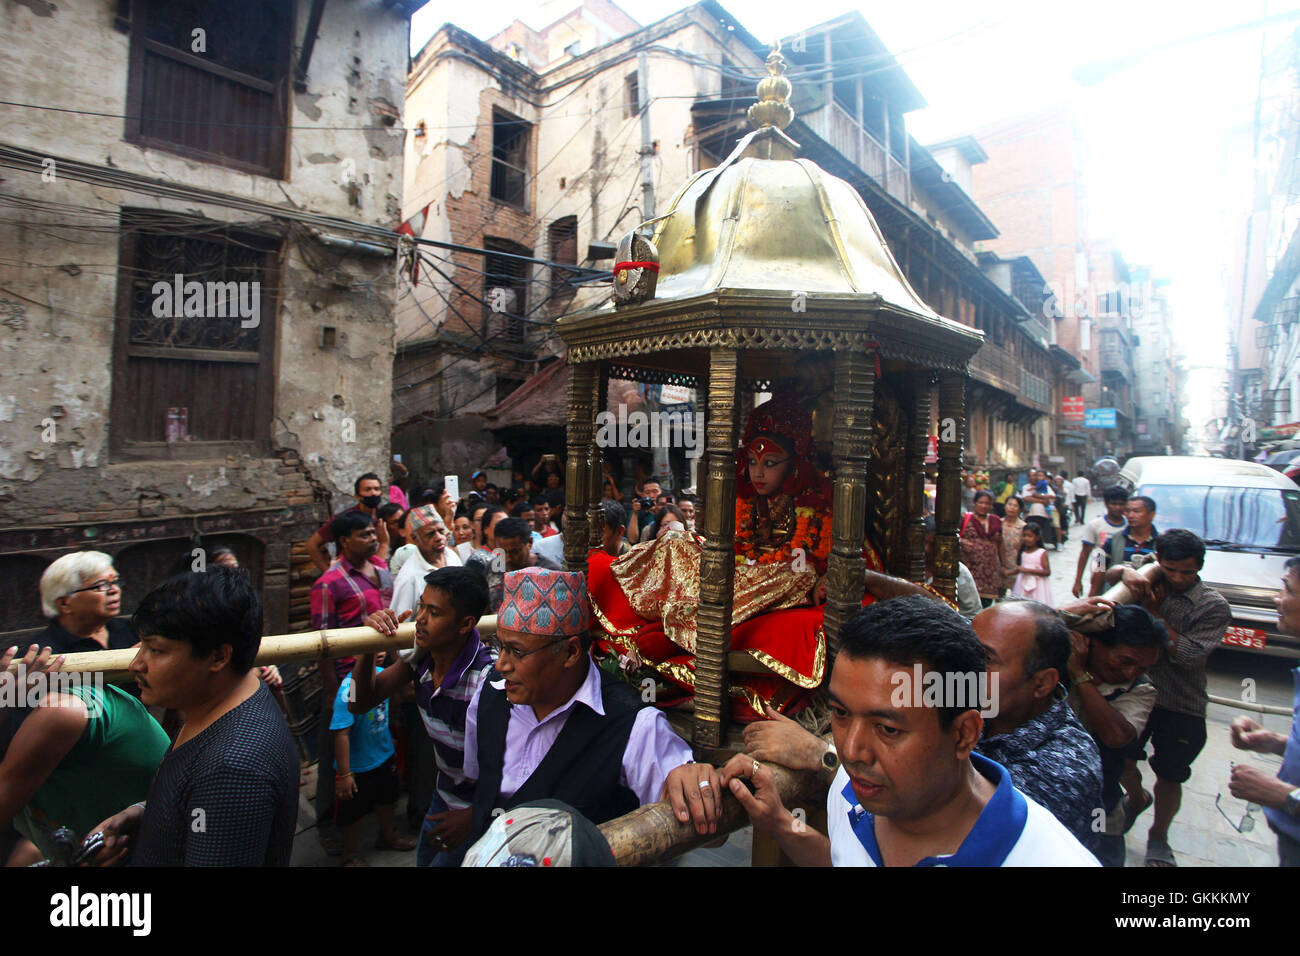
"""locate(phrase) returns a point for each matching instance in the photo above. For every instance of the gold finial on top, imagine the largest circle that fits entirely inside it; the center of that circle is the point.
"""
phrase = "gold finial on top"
(773, 107)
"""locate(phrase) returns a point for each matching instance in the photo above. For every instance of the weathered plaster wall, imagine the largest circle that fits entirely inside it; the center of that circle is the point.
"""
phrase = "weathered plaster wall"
(58, 273)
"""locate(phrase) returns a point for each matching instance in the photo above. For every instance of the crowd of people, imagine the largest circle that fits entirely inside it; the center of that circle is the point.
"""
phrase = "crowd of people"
(192, 763)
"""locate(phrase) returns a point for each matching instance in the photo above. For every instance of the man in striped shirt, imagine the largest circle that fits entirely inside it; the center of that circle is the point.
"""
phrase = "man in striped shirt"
(356, 584)
(448, 665)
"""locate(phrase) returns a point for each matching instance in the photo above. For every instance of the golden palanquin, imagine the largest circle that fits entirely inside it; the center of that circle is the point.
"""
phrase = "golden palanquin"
(774, 276)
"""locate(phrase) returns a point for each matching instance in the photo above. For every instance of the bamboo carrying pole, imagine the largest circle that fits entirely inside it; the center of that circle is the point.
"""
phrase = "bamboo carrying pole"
(653, 834)
(276, 648)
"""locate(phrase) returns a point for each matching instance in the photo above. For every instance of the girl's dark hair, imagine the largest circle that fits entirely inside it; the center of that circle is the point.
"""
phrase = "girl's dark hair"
(485, 519)
(983, 494)
(1017, 499)
(1029, 526)
(663, 517)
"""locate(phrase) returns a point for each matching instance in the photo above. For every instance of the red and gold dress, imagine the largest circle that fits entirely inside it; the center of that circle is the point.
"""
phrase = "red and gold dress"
(645, 600)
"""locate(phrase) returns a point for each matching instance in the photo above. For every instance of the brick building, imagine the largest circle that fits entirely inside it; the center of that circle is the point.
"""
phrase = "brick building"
(1034, 187)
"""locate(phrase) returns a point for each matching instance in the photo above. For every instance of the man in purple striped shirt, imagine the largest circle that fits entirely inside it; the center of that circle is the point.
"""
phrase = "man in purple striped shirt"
(448, 665)
(555, 726)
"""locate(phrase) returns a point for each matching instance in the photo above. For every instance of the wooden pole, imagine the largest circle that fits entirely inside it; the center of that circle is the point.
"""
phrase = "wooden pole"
(851, 430)
(718, 557)
(653, 834)
(276, 648)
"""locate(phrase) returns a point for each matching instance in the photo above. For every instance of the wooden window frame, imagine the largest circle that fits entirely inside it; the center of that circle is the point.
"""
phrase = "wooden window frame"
(500, 116)
(277, 168)
(122, 404)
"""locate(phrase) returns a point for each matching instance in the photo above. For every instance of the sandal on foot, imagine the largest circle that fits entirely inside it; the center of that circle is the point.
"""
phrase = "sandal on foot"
(401, 843)
(1130, 815)
(1159, 854)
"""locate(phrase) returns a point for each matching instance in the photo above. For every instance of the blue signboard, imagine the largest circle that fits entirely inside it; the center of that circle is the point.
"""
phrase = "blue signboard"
(1099, 418)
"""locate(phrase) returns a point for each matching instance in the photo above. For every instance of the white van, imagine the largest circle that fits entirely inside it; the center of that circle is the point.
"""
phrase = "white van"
(1249, 516)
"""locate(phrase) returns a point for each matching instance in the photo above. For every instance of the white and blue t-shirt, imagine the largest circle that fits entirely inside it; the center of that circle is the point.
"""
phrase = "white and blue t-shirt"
(1012, 830)
(370, 742)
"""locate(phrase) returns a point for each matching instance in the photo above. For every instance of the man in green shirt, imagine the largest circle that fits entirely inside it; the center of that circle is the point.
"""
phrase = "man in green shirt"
(83, 753)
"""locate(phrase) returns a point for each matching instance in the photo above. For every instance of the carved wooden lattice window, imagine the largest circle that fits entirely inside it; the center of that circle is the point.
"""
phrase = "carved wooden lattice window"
(192, 362)
(210, 80)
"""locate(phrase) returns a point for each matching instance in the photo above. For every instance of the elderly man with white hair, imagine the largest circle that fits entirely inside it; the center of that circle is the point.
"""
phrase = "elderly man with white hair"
(81, 594)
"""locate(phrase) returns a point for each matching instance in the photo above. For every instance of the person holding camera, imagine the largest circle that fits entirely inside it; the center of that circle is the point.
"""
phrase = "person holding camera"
(644, 511)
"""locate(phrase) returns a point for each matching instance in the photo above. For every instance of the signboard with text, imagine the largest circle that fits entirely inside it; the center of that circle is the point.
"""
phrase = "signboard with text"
(1100, 418)
(1073, 409)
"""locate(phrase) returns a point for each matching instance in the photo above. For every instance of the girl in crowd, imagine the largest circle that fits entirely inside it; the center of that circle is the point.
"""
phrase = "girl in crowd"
(1033, 568)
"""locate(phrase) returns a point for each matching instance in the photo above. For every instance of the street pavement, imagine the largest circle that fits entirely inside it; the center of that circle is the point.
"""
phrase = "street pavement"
(1199, 835)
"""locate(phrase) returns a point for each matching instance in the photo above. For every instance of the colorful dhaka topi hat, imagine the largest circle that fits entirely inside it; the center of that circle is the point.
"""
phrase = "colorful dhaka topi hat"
(545, 602)
(419, 517)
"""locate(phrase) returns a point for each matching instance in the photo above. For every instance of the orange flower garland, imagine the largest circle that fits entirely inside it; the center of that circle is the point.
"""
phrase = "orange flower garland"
(816, 545)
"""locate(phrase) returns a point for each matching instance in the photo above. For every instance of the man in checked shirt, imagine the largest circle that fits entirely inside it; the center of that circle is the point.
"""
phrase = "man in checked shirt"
(1196, 618)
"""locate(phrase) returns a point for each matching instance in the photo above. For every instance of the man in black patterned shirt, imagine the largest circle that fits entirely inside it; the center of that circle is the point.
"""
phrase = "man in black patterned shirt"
(1035, 734)
(226, 793)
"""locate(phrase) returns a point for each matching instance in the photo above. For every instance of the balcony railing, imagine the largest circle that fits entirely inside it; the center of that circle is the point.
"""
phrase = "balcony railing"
(834, 124)
(1035, 390)
(995, 366)
(1117, 360)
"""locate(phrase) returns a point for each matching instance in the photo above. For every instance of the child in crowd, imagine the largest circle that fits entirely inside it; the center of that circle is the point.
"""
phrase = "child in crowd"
(365, 774)
(1034, 571)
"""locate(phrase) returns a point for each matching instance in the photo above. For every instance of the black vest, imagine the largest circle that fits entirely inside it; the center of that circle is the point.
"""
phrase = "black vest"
(583, 766)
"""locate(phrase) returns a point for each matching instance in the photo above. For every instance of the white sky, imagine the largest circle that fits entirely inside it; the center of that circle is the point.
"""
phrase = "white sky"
(1166, 181)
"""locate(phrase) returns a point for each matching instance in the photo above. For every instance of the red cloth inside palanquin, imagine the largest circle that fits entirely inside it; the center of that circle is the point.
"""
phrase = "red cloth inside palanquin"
(790, 643)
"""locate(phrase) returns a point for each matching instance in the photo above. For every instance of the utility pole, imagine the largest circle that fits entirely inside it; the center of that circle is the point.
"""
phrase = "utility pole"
(647, 144)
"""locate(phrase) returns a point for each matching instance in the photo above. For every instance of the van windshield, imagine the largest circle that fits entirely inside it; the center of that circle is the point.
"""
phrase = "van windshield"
(1247, 517)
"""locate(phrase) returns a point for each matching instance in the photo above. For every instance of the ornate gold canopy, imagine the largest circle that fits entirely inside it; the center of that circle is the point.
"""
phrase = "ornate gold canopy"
(769, 251)
(767, 268)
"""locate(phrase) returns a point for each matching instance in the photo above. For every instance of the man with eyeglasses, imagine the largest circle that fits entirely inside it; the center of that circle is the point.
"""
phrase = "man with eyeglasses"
(556, 726)
(81, 596)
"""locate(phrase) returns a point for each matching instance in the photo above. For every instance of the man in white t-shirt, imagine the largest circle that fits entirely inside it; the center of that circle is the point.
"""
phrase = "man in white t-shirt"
(910, 790)
(1039, 498)
(1082, 492)
(1096, 535)
(429, 535)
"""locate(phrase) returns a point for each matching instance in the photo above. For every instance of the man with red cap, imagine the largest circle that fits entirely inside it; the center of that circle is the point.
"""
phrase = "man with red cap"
(554, 725)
